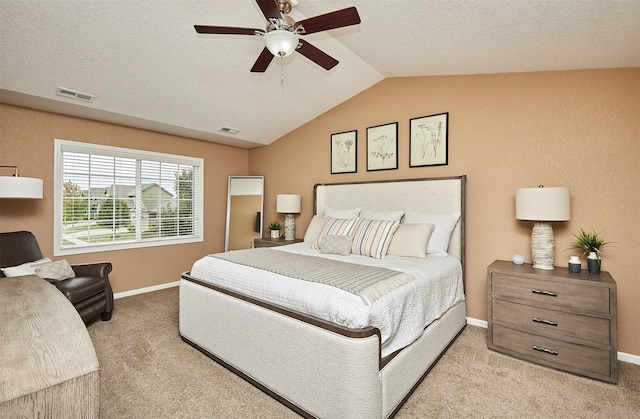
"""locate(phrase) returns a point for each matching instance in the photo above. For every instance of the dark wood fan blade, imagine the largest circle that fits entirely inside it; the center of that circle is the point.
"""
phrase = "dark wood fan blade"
(269, 9)
(225, 30)
(314, 54)
(333, 20)
(263, 61)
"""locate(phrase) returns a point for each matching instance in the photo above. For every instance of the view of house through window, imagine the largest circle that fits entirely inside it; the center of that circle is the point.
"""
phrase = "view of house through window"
(113, 197)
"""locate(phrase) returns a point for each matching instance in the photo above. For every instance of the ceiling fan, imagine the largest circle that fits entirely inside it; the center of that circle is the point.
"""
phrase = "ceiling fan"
(281, 36)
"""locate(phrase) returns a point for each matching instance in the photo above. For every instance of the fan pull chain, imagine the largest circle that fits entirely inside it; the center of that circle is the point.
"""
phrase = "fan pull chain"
(282, 72)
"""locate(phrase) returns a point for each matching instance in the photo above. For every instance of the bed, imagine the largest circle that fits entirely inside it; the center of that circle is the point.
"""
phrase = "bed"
(345, 355)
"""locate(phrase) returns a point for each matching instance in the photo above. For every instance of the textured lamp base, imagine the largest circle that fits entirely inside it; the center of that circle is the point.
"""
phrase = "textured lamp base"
(289, 227)
(542, 246)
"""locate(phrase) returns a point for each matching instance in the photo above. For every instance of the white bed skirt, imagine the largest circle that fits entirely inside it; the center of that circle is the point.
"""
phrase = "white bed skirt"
(316, 371)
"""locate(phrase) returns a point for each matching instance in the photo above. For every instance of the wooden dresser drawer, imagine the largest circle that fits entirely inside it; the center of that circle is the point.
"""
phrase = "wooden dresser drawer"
(556, 318)
(557, 293)
(552, 351)
(551, 323)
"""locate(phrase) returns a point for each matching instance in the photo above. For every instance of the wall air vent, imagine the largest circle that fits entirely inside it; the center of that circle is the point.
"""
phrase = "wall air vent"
(74, 94)
(228, 130)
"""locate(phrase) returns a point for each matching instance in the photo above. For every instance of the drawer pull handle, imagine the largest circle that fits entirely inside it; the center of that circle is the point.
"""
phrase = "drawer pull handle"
(549, 322)
(543, 292)
(541, 349)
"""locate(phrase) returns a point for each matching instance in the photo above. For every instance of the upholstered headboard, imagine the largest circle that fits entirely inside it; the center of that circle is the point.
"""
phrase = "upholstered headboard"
(436, 195)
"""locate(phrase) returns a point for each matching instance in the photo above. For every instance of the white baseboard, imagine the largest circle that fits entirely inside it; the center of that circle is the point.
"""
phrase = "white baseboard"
(632, 359)
(145, 290)
(476, 322)
(622, 356)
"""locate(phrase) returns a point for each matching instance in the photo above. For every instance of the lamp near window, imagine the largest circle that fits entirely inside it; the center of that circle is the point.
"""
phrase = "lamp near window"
(20, 187)
(543, 205)
(288, 204)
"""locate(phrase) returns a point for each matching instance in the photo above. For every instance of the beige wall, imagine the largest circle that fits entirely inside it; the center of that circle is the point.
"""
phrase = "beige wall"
(579, 129)
(27, 140)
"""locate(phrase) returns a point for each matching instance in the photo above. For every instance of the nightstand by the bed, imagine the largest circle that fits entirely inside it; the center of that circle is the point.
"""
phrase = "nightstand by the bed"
(555, 318)
(269, 242)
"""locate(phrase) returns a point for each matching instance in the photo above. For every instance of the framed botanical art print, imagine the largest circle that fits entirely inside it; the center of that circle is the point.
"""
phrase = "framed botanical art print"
(429, 140)
(382, 147)
(344, 146)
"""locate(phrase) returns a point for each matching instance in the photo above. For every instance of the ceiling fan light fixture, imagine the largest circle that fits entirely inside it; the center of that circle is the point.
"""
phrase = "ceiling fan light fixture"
(280, 42)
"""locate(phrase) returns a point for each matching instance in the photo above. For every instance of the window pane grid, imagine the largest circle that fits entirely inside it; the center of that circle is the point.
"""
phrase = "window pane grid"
(107, 199)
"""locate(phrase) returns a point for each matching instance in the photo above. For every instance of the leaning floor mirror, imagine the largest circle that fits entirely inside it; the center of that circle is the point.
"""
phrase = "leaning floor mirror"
(245, 200)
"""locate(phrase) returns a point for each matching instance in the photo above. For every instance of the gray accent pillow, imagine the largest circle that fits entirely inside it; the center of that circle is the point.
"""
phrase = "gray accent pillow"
(58, 270)
(336, 245)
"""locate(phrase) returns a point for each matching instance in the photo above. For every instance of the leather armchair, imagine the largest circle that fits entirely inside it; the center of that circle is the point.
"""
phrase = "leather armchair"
(90, 291)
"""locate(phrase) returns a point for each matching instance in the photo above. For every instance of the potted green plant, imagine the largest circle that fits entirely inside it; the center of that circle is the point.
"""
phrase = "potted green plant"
(590, 244)
(274, 226)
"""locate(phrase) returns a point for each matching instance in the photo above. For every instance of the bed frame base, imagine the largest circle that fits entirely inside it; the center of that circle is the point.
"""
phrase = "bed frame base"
(314, 371)
(292, 406)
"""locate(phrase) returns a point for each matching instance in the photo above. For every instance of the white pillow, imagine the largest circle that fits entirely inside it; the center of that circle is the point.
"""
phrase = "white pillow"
(24, 269)
(411, 240)
(344, 213)
(381, 215)
(372, 237)
(55, 270)
(439, 241)
(20, 270)
(336, 245)
(334, 226)
(314, 229)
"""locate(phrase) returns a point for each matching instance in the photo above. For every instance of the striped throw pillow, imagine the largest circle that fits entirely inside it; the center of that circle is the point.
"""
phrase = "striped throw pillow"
(334, 227)
(372, 237)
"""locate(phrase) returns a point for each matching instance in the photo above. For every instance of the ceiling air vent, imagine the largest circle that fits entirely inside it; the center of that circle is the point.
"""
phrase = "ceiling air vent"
(74, 94)
(228, 130)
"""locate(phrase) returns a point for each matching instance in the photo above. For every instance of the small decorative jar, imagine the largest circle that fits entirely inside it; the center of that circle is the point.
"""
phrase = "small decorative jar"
(574, 264)
(593, 263)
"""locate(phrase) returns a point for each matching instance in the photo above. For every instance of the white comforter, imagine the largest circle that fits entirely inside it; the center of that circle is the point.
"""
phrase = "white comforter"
(401, 315)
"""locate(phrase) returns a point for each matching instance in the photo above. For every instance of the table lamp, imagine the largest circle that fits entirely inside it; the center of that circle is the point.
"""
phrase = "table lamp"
(542, 205)
(288, 204)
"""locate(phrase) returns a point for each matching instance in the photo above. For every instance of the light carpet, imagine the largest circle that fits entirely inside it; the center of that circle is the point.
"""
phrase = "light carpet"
(147, 371)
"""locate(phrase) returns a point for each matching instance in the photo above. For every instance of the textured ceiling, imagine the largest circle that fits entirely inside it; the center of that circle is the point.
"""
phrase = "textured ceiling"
(149, 69)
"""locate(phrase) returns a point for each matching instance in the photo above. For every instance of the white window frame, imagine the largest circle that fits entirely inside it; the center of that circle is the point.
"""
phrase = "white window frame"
(79, 147)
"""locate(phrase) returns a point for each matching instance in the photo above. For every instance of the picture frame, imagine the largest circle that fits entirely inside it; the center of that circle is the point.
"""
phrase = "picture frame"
(429, 140)
(344, 152)
(382, 147)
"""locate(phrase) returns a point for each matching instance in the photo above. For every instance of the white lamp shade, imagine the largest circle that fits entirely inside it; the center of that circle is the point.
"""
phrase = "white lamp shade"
(20, 187)
(543, 204)
(281, 43)
(288, 203)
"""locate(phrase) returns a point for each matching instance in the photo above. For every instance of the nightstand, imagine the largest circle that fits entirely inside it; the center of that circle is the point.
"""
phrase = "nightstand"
(556, 318)
(269, 242)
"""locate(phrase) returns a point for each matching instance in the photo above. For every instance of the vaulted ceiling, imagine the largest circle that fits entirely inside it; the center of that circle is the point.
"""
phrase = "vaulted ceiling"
(148, 68)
